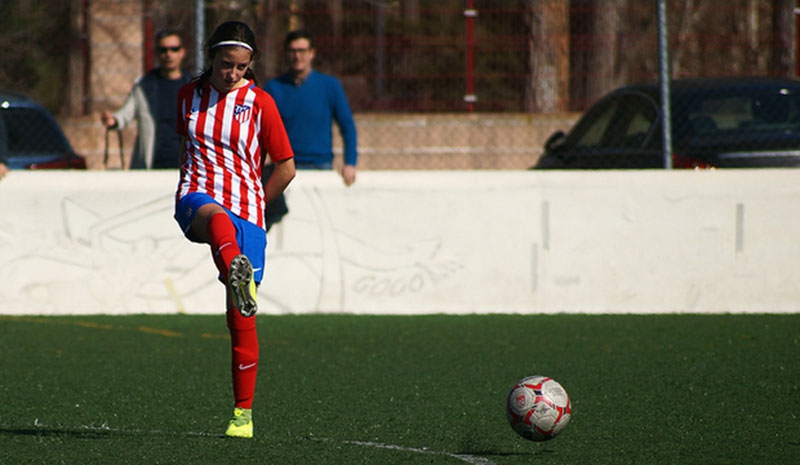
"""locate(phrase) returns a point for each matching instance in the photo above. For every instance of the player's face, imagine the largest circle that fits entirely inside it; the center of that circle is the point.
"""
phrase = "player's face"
(228, 67)
(299, 55)
(170, 52)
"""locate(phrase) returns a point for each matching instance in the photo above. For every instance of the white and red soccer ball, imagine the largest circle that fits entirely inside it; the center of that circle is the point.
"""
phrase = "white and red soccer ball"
(538, 408)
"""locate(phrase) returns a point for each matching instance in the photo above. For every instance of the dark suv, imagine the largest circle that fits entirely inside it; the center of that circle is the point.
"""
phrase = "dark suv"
(30, 138)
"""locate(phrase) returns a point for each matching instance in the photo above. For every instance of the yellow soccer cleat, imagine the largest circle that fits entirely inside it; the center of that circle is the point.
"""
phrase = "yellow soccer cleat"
(241, 425)
(242, 285)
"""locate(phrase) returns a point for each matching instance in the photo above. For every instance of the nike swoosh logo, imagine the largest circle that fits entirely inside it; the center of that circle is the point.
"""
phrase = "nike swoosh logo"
(245, 367)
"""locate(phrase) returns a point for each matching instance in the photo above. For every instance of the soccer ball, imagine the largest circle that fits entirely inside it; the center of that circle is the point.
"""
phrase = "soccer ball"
(538, 408)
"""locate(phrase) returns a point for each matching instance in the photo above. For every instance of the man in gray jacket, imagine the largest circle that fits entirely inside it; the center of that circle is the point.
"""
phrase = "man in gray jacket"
(3, 148)
(152, 103)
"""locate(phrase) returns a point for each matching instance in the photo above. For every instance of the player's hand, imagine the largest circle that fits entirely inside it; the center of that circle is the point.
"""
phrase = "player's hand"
(3, 170)
(108, 120)
(349, 175)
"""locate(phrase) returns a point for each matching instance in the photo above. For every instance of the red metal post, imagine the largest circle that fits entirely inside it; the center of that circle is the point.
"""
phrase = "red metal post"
(469, 97)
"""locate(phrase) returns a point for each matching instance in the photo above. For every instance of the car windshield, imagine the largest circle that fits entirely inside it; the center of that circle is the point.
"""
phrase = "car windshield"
(623, 122)
(30, 132)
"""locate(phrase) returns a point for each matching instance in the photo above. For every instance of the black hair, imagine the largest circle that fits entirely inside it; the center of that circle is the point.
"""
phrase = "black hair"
(229, 31)
(167, 32)
(298, 34)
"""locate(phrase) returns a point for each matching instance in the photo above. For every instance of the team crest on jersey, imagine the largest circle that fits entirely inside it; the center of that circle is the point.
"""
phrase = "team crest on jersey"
(242, 113)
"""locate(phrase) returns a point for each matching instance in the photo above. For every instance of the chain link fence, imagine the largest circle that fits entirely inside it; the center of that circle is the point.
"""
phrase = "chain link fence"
(450, 84)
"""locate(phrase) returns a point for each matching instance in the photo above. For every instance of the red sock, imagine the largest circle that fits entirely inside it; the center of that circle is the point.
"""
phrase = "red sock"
(244, 357)
(222, 237)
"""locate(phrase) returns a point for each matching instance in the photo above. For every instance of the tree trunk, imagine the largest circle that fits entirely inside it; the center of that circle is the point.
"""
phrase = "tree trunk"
(336, 10)
(784, 47)
(77, 93)
(295, 20)
(411, 19)
(604, 56)
(270, 39)
(547, 89)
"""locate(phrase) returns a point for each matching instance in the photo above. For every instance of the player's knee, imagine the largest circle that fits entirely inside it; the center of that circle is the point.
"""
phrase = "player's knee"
(245, 357)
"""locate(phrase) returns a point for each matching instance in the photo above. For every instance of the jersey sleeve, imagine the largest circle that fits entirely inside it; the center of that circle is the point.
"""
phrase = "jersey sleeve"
(274, 140)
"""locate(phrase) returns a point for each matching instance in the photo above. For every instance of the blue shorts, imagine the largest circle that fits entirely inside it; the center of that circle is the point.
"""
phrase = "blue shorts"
(251, 238)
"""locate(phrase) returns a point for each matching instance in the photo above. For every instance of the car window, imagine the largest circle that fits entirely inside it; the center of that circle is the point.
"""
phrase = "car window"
(624, 121)
(595, 124)
(770, 112)
(744, 113)
(31, 132)
(725, 112)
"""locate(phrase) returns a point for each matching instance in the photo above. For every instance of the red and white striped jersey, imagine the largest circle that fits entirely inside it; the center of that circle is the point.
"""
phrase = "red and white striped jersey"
(227, 139)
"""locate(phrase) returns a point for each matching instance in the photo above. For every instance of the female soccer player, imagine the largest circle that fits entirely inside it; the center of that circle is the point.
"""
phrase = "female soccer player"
(230, 128)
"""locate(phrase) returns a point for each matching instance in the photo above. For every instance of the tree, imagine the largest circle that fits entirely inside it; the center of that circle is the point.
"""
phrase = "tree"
(547, 86)
(784, 49)
(603, 59)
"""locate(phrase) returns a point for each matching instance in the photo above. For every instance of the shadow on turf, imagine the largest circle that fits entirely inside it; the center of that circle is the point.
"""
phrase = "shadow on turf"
(474, 446)
(495, 453)
(45, 432)
(94, 433)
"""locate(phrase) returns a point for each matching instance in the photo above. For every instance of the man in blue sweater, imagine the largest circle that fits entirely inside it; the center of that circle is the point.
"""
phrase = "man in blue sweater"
(309, 101)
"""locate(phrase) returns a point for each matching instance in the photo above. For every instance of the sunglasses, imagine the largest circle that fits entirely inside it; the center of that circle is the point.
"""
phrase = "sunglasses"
(170, 49)
(297, 51)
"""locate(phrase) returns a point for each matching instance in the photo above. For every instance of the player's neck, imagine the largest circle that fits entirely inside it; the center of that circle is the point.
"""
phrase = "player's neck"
(222, 88)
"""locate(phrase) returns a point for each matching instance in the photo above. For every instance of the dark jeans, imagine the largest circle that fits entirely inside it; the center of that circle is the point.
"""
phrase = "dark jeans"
(312, 166)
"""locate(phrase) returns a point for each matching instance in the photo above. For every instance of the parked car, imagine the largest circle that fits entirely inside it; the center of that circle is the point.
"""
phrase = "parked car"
(30, 138)
(716, 123)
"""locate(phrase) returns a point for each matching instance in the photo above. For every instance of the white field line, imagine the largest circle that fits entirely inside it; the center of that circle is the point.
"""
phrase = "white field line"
(468, 458)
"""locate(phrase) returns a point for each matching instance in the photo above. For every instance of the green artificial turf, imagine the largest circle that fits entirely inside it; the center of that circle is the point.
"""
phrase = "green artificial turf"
(343, 389)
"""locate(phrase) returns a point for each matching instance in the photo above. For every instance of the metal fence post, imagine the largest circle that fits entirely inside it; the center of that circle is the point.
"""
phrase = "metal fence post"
(199, 33)
(664, 80)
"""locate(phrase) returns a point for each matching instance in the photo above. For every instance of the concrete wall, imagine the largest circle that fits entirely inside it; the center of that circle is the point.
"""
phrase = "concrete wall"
(418, 242)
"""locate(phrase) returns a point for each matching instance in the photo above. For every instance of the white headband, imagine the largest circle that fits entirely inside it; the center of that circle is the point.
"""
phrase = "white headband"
(232, 42)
